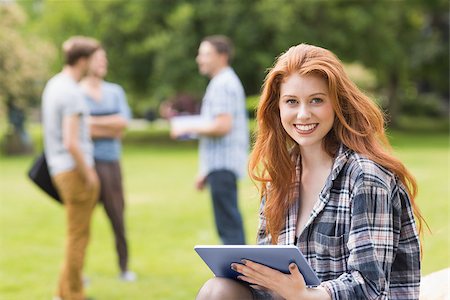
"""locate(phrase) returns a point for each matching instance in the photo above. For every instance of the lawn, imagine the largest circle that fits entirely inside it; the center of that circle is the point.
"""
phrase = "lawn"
(166, 217)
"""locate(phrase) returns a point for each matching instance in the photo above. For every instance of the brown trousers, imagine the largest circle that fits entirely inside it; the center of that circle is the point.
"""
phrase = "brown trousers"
(79, 203)
(111, 196)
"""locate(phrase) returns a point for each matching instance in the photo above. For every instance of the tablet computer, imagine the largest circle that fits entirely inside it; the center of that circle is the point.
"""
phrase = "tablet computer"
(220, 257)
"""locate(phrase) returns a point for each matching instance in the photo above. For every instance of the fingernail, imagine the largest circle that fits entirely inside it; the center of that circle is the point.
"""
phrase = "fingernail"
(292, 266)
(233, 267)
(244, 261)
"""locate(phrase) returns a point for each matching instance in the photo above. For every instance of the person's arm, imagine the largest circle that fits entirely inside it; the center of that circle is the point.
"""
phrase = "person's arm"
(114, 125)
(378, 216)
(223, 101)
(71, 125)
(111, 126)
(220, 126)
(288, 286)
(374, 242)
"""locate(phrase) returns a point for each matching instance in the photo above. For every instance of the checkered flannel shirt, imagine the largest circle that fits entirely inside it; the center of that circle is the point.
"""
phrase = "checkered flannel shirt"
(361, 237)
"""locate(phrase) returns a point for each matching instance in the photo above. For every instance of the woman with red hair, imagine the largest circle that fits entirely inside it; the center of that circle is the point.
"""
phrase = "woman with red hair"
(330, 186)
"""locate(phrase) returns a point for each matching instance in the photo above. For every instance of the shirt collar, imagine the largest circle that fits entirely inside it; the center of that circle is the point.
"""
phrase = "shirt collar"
(222, 71)
(340, 160)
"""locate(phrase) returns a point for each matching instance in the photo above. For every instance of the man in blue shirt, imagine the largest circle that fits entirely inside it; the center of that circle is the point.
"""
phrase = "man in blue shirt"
(224, 138)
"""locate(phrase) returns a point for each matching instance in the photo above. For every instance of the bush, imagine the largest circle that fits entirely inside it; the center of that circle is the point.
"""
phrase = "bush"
(426, 104)
(252, 105)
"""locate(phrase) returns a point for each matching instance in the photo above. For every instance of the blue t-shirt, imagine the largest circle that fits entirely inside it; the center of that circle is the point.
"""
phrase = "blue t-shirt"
(113, 101)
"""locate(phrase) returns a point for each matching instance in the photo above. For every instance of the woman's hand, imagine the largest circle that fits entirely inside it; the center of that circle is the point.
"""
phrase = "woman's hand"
(289, 286)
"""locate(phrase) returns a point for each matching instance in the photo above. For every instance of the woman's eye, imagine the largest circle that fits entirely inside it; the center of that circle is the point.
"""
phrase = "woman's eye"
(291, 101)
(316, 100)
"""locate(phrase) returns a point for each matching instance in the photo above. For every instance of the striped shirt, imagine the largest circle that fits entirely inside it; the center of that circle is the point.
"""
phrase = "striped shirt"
(113, 101)
(225, 95)
(361, 237)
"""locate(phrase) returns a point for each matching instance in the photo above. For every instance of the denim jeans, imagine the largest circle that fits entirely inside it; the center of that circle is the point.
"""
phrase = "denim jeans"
(228, 219)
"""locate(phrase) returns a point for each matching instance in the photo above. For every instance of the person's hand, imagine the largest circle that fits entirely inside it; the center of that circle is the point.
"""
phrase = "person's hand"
(288, 286)
(200, 182)
(91, 178)
(179, 132)
(118, 134)
(175, 133)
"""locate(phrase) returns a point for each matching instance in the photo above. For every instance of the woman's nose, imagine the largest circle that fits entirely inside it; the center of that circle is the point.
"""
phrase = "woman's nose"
(303, 112)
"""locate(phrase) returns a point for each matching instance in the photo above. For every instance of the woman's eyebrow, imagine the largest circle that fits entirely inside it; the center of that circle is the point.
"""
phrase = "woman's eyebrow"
(313, 94)
(288, 96)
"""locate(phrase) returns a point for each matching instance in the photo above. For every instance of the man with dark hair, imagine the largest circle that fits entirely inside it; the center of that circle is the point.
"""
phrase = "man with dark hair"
(69, 154)
(78, 47)
(224, 139)
(222, 44)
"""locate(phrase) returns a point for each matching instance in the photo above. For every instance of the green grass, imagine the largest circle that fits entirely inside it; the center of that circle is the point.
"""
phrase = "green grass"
(166, 217)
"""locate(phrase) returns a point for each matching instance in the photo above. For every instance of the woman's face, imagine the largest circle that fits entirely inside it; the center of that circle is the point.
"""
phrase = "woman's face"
(306, 110)
(98, 64)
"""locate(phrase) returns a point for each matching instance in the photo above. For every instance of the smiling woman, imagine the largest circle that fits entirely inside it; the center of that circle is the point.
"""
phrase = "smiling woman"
(330, 186)
(307, 115)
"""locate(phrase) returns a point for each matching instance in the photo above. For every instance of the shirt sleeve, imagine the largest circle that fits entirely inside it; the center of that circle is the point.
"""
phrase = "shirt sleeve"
(124, 109)
(72, 104)
(374, 241)
(263, 238)
(223, 98)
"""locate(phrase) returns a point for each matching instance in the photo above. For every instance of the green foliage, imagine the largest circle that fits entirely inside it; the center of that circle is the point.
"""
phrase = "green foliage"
(251, 105)
(23, 59)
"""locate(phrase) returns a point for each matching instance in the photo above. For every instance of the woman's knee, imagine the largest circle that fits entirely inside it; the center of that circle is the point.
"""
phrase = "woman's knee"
(223, 289)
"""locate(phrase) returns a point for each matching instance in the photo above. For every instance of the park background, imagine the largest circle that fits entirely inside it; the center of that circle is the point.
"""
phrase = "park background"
(397, 51)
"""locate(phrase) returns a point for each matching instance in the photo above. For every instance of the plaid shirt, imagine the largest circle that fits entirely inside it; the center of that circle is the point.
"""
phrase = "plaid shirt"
(225, 95)
(361, 237)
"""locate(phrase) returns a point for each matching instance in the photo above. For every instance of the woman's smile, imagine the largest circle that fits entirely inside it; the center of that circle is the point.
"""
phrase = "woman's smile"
(306, 128)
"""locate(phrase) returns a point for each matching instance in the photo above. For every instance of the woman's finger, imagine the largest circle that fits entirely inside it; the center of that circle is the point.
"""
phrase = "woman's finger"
(293, 268)
(252, 281)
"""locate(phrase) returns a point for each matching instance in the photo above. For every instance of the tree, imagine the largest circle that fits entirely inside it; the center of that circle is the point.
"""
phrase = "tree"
(23, 70)
(152, 44)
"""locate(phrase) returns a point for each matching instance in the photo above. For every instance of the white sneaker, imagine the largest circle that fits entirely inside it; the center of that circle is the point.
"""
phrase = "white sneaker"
(128, 276)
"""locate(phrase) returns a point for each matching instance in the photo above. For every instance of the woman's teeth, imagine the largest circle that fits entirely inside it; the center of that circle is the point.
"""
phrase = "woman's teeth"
(306, 127)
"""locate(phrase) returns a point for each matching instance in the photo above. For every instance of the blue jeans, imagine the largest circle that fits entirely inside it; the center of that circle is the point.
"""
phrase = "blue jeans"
(228, 219)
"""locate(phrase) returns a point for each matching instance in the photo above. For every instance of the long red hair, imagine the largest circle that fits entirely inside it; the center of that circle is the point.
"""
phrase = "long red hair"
(359, 125)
